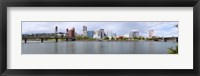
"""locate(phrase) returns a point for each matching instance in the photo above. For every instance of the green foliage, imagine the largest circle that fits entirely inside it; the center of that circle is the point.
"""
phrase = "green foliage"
(117, 38)
(85, 37)
(82, 37)
(79, 37)
(112, 38)
(91, 39)
(135, 38)
(173, 51)
(141, 38)
(149, 39)
(107, 38)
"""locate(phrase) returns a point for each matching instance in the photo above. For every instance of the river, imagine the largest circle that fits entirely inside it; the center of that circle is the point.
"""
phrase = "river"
(96, 47)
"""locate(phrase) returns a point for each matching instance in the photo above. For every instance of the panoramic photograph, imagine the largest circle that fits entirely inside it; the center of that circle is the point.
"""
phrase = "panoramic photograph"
(99, 37)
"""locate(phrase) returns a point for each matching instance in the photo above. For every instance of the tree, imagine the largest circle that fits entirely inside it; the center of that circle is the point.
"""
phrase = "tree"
(91, 39)
(107, 38)
(125, 38)
(85, 37)
(173, 51)
(135, 38)
(112, 38)
(78, 37)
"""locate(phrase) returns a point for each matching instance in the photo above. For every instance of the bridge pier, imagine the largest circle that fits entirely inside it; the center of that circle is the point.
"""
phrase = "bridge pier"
(165, 40)
(25, 40)
(66, 39)
(42, 39)
(56, 39)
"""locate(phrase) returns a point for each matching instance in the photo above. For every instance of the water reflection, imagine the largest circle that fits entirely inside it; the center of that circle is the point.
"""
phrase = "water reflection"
(95, 47)
(56, 48)
(151, 47)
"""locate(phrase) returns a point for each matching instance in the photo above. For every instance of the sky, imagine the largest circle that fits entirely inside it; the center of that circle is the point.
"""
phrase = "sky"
(122, 28)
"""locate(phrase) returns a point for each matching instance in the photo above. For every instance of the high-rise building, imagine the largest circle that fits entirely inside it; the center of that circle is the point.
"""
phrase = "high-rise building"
(95, 35)
(114, 35)
(99, 34)
(56, 31)
(71, 33)
(133, 34)
(67, 31)
(90, 34)
(136, 34)
(110, 34)
(151, 32)
(84, 30)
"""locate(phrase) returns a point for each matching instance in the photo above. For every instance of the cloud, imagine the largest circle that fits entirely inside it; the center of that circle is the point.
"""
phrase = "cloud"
(120, 28)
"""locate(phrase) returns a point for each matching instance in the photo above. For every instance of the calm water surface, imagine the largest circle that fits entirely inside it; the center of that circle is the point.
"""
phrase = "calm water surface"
(95, 47)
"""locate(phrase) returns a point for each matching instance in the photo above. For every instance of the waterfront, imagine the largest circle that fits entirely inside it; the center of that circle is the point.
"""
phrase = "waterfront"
(97, 47)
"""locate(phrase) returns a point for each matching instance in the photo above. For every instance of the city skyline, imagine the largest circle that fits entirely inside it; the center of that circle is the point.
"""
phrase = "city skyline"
(166, 29)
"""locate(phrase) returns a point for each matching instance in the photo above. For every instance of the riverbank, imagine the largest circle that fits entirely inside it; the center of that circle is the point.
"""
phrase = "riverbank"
(62, 40)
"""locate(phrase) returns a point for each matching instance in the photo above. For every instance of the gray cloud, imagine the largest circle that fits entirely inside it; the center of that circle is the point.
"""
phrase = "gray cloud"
(120, 28)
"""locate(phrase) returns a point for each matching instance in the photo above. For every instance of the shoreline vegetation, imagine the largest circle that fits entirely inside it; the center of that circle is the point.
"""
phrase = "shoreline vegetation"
(84, 38)
(106, 39)
(172, 50)
(63, 40)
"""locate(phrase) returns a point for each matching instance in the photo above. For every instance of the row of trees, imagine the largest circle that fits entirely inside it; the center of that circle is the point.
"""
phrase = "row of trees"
(112, 38)
(84, 38)
(52, 36)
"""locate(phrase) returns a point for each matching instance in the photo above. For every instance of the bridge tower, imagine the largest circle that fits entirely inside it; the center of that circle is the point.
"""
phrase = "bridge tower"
(56, 33)
(67, 31)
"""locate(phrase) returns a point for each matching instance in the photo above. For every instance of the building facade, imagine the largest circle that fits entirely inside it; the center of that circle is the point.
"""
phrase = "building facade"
(67, 31)
(84, 30)
(151, 32)
(71, 33)
(100, 34)
(90, 34)
(109, 34)
(133, 34)
(56, 32)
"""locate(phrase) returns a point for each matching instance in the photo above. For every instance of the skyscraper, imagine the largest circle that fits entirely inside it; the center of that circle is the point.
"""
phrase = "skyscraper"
(71, 33)
(99, 34)
(109, 34)
(90, 34)
(133, 34)
(84, 30)
(114, 35)
(151, 32)
(56, 31)
(95, 35)
(67, 31)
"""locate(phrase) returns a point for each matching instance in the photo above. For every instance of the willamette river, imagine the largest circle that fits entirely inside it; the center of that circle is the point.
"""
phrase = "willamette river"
(96, 47)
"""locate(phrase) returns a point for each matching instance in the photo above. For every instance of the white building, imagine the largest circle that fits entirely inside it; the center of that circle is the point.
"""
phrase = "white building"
(84, 30)
(99, 34)
(109, 34)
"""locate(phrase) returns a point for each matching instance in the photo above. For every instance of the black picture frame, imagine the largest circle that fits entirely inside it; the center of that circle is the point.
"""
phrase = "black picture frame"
(98, 3)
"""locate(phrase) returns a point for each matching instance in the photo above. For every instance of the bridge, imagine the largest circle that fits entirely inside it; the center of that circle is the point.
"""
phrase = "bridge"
(43, 39)
(175, 39)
